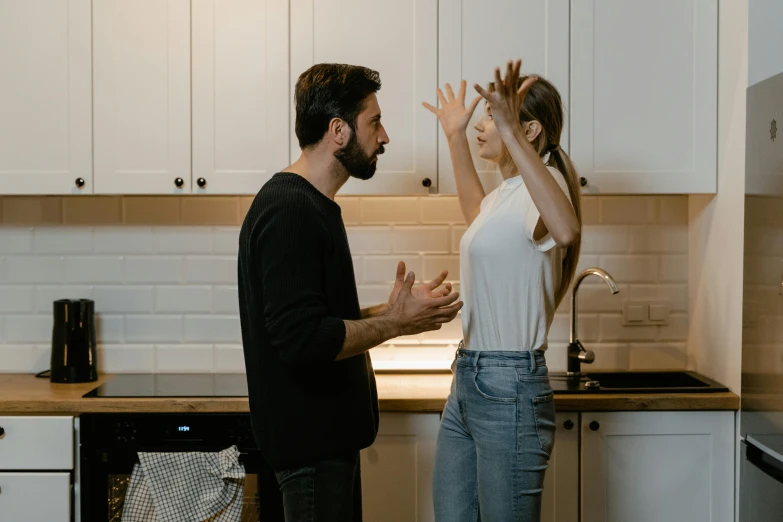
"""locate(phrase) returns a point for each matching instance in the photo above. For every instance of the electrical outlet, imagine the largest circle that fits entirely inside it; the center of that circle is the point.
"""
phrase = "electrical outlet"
(646, 313)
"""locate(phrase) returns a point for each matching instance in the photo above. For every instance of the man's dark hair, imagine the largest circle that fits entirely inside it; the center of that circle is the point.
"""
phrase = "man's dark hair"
(331, 90)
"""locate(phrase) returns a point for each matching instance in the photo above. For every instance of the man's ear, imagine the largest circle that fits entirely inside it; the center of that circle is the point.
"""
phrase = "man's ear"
(339, 132)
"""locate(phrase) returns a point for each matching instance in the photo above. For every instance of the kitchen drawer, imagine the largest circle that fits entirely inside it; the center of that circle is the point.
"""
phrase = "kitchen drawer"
(36, 443)
(35, 497)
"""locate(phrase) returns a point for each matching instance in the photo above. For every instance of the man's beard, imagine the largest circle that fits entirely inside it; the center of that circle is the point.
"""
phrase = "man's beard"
(355, 161)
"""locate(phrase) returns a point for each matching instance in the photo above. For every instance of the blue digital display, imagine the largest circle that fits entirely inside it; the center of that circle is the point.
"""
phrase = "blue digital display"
(183, 428)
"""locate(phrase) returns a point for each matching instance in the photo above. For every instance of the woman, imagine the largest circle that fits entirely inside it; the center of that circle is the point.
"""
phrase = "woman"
(517, 258)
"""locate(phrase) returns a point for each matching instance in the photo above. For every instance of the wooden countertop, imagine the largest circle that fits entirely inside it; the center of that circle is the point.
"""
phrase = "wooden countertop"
(24, 394)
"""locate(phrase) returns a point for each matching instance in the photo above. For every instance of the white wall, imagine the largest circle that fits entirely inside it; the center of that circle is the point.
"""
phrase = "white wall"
(765, 39)
(716, 222)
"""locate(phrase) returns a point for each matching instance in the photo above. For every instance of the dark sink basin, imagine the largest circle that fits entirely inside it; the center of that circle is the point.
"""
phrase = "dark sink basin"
(635, 382)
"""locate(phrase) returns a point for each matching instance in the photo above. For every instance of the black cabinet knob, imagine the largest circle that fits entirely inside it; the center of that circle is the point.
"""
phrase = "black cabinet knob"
(594, 426)
(427, 182)
(80, 182)
(201, 182)
(583, 181)
(2, 431)
(179, 182)
(569, 424)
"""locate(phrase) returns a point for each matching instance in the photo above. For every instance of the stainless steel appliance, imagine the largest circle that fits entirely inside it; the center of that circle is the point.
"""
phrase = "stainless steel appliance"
(109, 443)
(761, 415)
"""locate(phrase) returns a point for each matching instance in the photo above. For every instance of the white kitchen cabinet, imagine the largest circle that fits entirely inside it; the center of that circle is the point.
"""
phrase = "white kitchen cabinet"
(240, 94)
(473, 40)
(141, 90)
(45, 97)
(644, 95)
(653, 466)
(399, 40)
(36, 443)
(560, 502)
(35, 497)
(397, 469)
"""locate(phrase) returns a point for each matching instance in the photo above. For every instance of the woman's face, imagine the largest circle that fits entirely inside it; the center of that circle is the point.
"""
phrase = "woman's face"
(490, 144)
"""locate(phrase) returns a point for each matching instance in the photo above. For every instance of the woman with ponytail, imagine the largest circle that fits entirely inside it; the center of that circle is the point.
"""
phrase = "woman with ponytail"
(517, 259)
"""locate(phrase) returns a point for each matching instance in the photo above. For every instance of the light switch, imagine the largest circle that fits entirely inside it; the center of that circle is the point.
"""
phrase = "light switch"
(636, 312)
(659, 312)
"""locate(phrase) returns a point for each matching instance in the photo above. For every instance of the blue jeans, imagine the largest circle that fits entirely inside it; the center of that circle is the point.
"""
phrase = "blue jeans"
(328, 490)
(496, 436)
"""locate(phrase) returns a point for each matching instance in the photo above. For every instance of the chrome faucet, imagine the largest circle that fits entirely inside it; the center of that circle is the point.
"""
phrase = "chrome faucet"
(576, 352)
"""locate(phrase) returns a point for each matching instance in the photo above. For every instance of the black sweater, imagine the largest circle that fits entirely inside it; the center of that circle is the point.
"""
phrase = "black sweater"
(296, 286)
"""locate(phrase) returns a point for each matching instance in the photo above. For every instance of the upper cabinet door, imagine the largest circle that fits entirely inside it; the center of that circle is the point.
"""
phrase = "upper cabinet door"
(399, 40)
(240, 94)
(45, 97)
(473, 40)
(644, 95)
(141, 82)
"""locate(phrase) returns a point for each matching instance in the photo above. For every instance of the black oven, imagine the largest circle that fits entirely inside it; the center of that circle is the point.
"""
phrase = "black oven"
(109, 444)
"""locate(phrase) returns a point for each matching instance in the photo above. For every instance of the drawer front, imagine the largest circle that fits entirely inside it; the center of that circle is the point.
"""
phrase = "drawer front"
(35, 497)
(36, 443)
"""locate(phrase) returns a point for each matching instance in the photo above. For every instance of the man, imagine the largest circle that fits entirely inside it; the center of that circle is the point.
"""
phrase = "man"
(311, 386)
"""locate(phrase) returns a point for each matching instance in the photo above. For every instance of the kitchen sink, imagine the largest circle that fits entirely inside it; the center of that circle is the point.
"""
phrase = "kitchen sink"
(635, 382)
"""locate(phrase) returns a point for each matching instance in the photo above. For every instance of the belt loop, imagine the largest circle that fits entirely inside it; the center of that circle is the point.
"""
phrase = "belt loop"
(475, 363)
(533, 366)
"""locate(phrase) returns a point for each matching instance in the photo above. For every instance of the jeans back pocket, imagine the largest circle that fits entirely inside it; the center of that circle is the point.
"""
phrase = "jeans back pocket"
(544, 410)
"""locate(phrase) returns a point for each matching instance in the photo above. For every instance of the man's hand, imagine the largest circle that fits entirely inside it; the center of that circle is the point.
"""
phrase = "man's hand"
(412, 315)
(427, 290)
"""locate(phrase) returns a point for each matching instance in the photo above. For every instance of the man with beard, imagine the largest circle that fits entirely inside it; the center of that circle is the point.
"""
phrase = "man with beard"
(313, 399)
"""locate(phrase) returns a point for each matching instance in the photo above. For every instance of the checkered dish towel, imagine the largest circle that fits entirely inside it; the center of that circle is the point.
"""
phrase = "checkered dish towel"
(186, 486)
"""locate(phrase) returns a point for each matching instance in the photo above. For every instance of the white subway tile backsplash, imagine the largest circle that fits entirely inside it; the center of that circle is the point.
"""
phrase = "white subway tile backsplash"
(45, 296)
(422, 240)
(674, 269)
(152, 269)
(369, 240)
(28, 328)
(612, 329)
(16, 299)
(229, 359)
(226, 241)
(183, 240)
(16, 240)
(109, 328)
(123, 240)
(212, 329)
(63, 240)
(214, 270)
(99, 269)
(434, 265)
(126, 358)
(600, 239)
(383, 269)
(183, 299)
(226, 300)
(659, 239)
(184, 359)
(123, 299)
(165, 294)
(153, 328)
(34, 269)
(631, 269)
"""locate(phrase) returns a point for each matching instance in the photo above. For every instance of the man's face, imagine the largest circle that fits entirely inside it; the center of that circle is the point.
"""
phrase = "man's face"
(360, 155)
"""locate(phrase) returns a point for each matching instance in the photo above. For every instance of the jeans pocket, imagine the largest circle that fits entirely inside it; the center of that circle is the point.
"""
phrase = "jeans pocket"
(544, 410)
(497, 383)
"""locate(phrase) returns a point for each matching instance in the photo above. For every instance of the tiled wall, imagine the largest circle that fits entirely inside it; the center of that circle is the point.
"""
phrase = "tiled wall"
(162, 271)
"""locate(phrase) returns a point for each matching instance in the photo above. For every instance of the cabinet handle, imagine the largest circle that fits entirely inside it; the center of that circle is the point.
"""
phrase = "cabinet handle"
(583, 181)
(569, 424)
(201, 182)
(426, 182)
(80, 182)
(2, 431)
(179, 182)
(594, 425)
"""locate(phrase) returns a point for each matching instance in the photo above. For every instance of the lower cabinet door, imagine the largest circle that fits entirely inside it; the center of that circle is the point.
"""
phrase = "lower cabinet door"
(35, 497)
